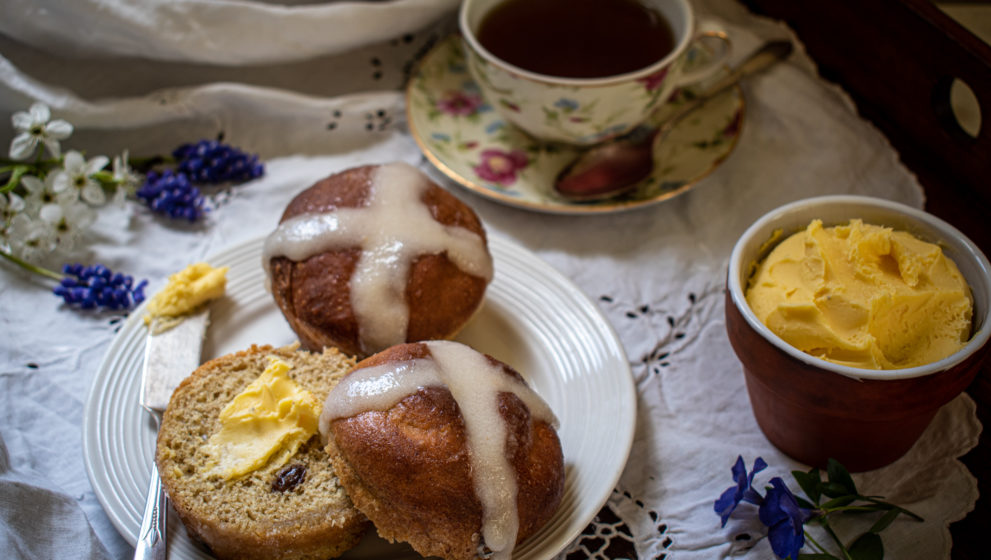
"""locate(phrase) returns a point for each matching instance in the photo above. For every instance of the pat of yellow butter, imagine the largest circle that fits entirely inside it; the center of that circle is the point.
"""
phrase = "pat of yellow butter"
(185, 291)
(864, 296)
(264, 424)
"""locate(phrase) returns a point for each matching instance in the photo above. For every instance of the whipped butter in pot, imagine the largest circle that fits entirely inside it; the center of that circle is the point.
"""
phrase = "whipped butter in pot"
(392, 230)
(475, 384)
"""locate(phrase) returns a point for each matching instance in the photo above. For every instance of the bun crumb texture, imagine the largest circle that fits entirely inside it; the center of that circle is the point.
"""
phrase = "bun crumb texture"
(296, 511)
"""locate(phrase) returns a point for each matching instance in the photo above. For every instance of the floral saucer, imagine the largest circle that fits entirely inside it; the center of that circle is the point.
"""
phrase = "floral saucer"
(471, 143)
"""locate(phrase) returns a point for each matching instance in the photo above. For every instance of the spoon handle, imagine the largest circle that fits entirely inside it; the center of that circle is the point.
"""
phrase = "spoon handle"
(766, 56)
(613, 168)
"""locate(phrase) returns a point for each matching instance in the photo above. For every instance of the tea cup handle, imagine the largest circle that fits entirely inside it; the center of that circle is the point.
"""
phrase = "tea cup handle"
(711, 42)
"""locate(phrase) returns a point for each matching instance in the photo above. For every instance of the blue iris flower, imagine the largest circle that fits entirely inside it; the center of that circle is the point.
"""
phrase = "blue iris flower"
(784, 518)
(743, 491)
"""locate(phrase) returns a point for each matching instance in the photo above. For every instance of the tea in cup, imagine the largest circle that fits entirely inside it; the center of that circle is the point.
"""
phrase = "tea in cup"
(584, 71)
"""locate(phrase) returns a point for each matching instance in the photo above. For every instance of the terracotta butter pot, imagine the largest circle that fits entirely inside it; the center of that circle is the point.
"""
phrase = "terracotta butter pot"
(812, 409)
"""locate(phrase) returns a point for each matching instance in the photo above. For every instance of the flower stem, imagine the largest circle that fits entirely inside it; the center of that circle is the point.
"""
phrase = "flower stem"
(815, 543)
(30, 267)
(38, 161)
(836, 538)
(145, 164)
(16, 172)
(851, 508)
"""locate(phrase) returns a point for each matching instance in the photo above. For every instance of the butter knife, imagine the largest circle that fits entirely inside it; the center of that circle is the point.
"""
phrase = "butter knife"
(170, 356)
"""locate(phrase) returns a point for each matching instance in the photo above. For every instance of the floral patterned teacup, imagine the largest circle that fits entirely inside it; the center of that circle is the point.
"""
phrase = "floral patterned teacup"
(586, 111)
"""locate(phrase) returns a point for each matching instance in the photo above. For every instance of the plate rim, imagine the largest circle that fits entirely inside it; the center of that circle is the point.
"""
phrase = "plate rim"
(93, 455)
(563, 207)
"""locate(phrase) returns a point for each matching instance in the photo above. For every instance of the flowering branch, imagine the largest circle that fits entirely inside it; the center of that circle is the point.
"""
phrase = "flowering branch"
(844, 497)
(48, 199)
(786, 515)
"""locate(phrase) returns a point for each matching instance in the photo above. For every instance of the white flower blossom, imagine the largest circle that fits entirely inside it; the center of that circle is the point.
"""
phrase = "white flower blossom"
(75, 219)
(10, 206)
(125, 178)
(31, 239)
(77, 177)
(42, 198)
(34, 126)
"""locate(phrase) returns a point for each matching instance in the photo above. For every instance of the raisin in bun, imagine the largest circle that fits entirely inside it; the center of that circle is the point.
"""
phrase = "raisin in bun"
(297, 510)
(376, 256)
(445, 448)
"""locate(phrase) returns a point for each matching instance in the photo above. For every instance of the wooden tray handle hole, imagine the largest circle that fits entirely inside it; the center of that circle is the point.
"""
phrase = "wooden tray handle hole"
(957, 108)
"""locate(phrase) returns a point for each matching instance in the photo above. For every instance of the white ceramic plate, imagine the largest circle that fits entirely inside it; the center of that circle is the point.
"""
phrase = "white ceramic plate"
(533, 318)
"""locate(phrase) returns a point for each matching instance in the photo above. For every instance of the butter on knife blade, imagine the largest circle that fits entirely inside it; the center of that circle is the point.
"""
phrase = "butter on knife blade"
(186, 292)
(177, 321)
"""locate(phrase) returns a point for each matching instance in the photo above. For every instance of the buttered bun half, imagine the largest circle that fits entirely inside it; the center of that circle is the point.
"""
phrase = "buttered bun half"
(445, 448)
(291, 510)
(376, 256)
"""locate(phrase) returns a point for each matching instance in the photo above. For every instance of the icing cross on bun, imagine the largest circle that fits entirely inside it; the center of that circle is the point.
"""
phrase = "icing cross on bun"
(445, 448)
(376, 256)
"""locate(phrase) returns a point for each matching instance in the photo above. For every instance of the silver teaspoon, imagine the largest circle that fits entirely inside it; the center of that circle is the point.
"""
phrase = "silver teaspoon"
(615, 167)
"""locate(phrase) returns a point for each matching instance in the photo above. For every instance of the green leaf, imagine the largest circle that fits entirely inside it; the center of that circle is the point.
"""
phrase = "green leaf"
(817, 556)
(838, 475)
(835, 490)
(839, 501)
(803, 503)
(867, 547)
(874, 500)
(810, 482)
(885, 520)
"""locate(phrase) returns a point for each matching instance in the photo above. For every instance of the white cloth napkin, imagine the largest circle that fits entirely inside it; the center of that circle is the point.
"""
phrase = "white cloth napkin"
(656, 273)
(229, 32)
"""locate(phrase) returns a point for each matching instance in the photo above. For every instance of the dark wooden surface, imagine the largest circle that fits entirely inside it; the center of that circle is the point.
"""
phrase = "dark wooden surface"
(897, 59)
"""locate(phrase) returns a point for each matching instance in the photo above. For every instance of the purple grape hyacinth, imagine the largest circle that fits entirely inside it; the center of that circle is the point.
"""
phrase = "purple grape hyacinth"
(173, 195)
(212, 162)
(97, 287)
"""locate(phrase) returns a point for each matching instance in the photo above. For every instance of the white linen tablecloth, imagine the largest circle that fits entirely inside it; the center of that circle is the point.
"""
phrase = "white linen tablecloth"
(656, 273)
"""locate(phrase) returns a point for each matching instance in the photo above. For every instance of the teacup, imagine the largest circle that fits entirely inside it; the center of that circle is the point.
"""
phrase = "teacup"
(588, 110)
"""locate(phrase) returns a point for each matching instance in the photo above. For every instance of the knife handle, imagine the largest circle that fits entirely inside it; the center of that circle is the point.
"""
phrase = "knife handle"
(151, 538)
